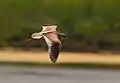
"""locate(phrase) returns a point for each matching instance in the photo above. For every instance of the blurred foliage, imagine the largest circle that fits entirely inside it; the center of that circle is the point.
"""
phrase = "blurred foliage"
(91, 24)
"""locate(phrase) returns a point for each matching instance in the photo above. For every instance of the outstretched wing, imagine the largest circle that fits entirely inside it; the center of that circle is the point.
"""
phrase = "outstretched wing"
(53, 42)
(54, 52)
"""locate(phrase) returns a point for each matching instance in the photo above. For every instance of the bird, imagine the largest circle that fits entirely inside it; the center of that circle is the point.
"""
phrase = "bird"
(53, 39)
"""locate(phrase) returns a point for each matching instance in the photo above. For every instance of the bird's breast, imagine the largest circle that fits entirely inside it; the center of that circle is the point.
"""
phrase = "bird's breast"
(53, 38)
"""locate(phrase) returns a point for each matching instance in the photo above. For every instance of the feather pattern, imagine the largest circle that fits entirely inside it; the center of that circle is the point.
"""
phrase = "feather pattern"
(53, 42)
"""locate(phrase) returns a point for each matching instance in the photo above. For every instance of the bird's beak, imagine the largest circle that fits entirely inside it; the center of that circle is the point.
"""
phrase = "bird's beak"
(67, 37)
(28, 40)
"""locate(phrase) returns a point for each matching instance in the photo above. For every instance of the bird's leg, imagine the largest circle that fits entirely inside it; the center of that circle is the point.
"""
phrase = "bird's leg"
(62, 35)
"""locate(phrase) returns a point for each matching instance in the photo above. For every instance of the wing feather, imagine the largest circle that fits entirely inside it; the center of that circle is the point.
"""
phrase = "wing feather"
(53, 42)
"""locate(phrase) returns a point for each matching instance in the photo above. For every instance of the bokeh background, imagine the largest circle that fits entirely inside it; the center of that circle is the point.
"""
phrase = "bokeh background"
(92, 25)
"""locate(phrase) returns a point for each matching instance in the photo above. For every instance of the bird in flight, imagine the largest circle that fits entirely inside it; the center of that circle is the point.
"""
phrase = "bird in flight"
(52, 38)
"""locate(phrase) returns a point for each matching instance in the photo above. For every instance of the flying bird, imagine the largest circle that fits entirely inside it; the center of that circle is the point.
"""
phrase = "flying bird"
(52, 38)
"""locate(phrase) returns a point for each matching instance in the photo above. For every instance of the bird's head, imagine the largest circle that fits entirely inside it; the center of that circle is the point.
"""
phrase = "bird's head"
(34, 36)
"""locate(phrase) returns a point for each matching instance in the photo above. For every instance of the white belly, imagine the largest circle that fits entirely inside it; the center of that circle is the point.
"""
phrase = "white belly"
(49, 43)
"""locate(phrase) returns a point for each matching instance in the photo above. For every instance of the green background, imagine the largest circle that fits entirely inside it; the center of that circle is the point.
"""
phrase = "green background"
(92, 25)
